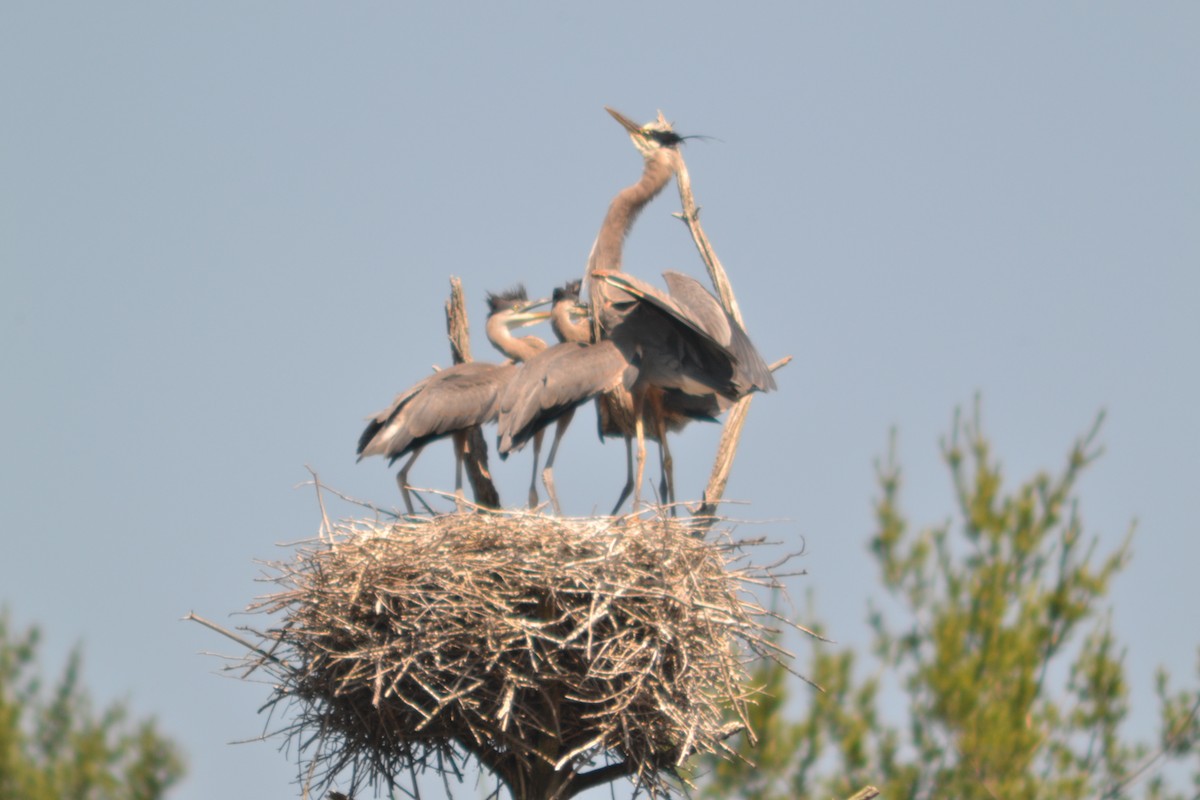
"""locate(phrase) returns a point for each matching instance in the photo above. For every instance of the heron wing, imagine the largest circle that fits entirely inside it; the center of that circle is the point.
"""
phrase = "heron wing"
(688, 293)
(451, 400)
(553, 382)
(680, 407)
(700, 306)
(661, 301)
(370, 443)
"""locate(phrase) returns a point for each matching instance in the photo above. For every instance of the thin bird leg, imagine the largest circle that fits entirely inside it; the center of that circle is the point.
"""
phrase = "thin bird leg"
(460, 443)
(537, 452)
(628, 476)
(560, 428)
(402, 479)
(667, 487)
(639, 428)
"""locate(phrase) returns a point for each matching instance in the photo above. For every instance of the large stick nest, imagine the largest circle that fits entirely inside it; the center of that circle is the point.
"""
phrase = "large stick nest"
(540, 646)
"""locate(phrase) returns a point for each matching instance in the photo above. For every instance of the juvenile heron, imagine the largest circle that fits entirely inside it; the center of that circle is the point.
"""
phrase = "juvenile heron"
(550, 386)
(457, 398)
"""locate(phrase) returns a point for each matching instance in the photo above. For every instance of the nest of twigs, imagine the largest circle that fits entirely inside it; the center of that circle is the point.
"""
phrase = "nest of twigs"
(559, 653)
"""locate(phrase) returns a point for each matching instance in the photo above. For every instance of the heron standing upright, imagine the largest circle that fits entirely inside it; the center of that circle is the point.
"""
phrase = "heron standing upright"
(550, 386)
(457, 398)
(684, 342)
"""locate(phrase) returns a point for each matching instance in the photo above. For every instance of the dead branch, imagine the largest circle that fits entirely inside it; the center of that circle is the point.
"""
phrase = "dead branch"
(732, 432)
(469, 443)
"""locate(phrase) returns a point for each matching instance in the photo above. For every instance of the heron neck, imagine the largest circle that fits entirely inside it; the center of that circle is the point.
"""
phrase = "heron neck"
(518, 348)
(606, 252)
(567, 329)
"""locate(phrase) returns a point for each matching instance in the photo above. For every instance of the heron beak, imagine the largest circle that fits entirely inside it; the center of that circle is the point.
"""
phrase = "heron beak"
(523, 319)
(626, 122)
(528, 304)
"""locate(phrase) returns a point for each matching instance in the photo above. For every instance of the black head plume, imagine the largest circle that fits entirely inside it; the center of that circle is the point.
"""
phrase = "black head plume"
(568, 291)
(660, 131)
(669, 138)
(510, 298)
(665, 138)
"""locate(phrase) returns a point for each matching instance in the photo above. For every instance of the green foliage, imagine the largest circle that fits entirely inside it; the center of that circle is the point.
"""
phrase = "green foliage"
(996, 633)
(54, 746)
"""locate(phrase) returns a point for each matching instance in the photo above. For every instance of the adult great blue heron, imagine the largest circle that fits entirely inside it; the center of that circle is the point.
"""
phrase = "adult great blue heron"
(684, 342)
(456, 398)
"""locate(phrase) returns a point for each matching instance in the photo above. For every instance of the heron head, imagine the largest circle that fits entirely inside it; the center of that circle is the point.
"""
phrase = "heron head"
(568, 291)
(566, 302)
(651, 137)
(514, 308)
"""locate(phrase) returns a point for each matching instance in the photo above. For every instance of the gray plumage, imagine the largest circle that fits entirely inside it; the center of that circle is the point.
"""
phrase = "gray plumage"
(686, 339)
(551, 385)
(682, 344)
(555, 382)
(454, 399)
(447, 401)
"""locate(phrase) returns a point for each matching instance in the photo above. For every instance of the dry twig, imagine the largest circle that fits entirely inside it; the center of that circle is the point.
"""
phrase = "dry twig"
(469, 443)
(558, 653)
(731, 434)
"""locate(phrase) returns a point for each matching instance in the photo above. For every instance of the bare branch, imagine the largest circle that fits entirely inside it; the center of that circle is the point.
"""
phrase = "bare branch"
(736, 419)
(470, 444)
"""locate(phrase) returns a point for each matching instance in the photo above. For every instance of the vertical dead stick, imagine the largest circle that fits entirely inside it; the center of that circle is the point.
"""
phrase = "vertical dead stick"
(691, 217)
(469, 443)
(731, 434)
(723, 464)
(456, 323)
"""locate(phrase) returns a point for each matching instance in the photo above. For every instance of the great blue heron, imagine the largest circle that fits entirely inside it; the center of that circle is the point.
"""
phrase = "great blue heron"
(456, 398)
(550, 386)
(683, 342)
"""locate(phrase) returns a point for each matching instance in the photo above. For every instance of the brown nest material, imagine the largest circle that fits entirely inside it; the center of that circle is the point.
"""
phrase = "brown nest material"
(559, 653)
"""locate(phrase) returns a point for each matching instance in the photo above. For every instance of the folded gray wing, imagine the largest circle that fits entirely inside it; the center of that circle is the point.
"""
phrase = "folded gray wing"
(453, 399)
(554, 382)
(371, 443)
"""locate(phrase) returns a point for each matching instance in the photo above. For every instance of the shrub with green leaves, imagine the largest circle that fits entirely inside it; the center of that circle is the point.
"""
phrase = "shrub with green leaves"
(55, 746)
(998, 636)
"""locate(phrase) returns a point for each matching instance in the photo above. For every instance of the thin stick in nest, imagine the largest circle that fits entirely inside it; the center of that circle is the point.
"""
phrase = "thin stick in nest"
(553, 651)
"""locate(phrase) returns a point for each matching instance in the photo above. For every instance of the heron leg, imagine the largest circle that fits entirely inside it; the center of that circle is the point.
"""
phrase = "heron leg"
(628, 475)
(537, 452)
(459, 497)
(402, 479)
(639, 427)
(560, 428)
(667, 487)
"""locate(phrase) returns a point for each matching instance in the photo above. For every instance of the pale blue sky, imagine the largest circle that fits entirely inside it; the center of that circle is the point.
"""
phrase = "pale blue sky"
(226, 231)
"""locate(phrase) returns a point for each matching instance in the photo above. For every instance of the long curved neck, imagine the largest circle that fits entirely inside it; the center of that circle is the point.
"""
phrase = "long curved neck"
(566, 328)
(606, 252)
(518, 348)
